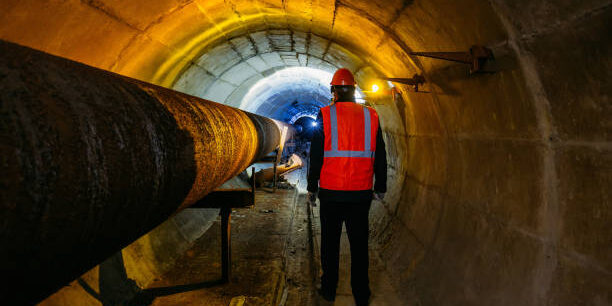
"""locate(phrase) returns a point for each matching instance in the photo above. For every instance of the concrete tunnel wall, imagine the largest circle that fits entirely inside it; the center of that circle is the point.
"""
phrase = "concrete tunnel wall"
(498, 183)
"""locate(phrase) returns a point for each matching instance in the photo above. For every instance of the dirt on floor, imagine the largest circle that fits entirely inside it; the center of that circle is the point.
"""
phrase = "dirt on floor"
(274, 261)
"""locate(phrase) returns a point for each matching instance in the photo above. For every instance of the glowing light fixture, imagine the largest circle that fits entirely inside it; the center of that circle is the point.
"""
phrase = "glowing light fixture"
(314, 123)
(375, 88)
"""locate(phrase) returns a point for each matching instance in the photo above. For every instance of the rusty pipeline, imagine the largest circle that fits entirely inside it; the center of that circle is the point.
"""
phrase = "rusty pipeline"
(267, 174)
(91, 160)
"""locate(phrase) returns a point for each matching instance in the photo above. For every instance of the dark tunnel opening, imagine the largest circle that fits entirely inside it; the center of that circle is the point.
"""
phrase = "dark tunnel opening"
(304, 127)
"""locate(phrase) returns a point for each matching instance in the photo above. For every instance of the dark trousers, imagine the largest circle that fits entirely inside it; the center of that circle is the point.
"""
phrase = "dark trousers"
(355, 216)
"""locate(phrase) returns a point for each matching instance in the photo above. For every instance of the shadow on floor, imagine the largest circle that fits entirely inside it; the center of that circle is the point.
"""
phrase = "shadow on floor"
(147, 296)
(116, 288)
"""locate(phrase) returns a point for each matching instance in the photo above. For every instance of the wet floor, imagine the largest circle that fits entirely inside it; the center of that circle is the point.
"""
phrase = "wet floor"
(274, 261)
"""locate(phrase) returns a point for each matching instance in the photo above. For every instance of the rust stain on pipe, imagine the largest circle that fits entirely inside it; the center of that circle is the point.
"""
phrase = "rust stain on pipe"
(226, 140)
(91, 160)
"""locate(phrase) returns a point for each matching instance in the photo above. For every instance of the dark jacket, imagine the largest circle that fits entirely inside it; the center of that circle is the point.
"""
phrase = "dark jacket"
(316, 163)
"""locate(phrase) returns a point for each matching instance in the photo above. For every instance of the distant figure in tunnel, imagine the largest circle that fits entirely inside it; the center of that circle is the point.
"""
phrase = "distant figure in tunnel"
(347, 150)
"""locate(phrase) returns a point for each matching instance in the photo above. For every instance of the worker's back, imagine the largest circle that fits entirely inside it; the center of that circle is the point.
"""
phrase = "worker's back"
(350, 143)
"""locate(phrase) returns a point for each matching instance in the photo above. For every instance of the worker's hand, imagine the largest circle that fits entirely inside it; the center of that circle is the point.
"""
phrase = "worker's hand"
(311, 197)
(379, 196)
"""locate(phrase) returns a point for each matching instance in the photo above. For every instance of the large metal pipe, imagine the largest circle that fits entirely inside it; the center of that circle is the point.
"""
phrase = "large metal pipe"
(92, 160)
(267, 174)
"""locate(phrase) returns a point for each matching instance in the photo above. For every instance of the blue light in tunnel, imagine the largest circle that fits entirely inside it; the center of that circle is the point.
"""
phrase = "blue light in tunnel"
(302, 84)
(291, 93)
(314, 123)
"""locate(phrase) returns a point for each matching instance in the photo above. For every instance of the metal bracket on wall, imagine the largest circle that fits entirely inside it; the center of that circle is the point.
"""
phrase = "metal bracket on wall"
(415, 81)
(476, 57)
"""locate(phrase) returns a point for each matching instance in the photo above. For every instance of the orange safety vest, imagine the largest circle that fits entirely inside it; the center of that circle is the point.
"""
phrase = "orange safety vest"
(350, 143)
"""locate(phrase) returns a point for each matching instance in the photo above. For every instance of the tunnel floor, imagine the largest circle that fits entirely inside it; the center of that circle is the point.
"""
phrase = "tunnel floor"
(273, 261)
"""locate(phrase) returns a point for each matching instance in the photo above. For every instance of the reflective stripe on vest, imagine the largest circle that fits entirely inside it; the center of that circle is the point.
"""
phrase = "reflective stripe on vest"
(334, 152)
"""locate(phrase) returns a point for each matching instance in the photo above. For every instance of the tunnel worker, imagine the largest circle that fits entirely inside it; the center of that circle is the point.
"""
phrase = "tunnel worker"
(347, 151)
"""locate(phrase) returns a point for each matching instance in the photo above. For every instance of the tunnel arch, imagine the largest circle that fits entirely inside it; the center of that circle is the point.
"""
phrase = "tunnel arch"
(480, 164)
(289, 92)
(238, 63)
(275, 44)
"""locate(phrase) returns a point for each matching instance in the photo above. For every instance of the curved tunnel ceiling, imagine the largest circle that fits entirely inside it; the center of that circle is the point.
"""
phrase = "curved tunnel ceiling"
(225, 71)
(161, 41)
(257, 40)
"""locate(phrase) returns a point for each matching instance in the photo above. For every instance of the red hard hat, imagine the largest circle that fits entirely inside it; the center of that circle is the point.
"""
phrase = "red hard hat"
(343, 77)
